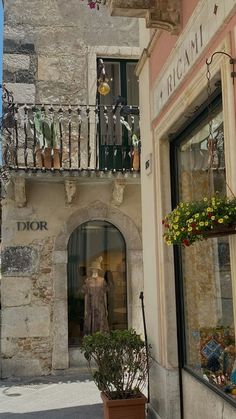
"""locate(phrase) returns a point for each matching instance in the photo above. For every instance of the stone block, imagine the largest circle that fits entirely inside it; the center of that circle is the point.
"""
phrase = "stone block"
(20, 367)
(60, 92)
(15, 291)
(16, 62)
(22, 92)
(60, 357)
(19, 261)
(20, 322)
(64, 68)
(8, 348)
(60, 256)
(60, 282)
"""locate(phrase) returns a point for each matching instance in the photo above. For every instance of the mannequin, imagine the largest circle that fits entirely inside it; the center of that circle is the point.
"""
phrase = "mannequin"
(95, 290)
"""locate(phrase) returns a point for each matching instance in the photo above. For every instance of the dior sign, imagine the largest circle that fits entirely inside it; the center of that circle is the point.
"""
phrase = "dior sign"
(31, 225)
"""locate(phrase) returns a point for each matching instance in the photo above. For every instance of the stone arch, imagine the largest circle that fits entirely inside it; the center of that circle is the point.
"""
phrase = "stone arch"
(96, 211)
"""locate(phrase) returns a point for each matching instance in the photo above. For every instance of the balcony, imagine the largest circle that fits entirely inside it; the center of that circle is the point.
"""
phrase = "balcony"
(160, 14)
(79, 140)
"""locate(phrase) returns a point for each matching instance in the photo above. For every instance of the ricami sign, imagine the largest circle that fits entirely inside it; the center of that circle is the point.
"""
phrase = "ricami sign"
(31, 225)
(202, 26)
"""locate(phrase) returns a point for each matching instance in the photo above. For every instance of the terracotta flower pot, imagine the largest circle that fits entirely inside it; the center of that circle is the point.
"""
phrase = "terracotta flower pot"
(44, 159)
(136, 159)
(124, 408)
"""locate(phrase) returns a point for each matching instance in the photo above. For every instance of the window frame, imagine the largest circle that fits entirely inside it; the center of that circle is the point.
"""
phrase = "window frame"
(124, 143)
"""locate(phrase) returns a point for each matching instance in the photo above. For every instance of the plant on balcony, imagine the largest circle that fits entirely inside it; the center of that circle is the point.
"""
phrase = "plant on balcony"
(47, 136)
(94, 4)
(197, 220)
(118, 363)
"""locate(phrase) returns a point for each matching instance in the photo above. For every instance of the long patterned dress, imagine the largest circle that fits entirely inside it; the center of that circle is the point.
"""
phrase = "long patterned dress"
(95, 318)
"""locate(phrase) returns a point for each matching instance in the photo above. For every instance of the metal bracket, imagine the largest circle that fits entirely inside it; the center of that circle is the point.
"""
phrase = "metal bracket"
(231, 61)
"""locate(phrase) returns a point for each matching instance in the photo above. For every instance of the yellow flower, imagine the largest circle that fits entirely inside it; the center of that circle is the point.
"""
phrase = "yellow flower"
(201, 223)
(190, 220)
(209, 209)
(205, 199)
(175, 226)
(206, 223)
(226, 217)
(177, 233)
(176, 219)
(220, 220)
(213, 217)
(190, 229)
(168, 242)
(196, 215)
(187, 213)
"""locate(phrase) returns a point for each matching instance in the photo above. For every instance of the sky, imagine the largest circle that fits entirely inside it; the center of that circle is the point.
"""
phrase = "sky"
(1, 38)
(1, 49)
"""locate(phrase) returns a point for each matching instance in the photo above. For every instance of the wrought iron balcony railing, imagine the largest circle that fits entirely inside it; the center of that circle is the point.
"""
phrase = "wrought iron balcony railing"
(73, 138)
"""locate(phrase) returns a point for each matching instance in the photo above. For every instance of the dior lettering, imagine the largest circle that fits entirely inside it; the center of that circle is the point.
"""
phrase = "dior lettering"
(32, 225)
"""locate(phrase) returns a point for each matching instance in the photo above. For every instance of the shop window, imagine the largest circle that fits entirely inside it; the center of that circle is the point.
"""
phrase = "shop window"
(96, 248)
(204, 274)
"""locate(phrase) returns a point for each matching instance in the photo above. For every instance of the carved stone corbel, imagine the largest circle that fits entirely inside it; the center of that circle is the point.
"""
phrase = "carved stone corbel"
(161, 14)
(20, 193)
(70, 190)
(117, 197)
(165, 15)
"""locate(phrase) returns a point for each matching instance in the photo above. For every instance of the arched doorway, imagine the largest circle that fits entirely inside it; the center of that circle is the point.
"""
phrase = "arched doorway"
(88, 242)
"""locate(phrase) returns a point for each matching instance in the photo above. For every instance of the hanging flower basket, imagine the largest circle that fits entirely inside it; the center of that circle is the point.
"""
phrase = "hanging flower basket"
(197, 220)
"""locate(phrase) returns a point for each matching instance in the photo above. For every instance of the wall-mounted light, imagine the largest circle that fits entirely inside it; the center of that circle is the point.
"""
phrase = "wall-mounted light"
(103, 86)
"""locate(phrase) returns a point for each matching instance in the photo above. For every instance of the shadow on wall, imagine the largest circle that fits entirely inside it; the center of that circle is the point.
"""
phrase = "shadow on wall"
(94, 411)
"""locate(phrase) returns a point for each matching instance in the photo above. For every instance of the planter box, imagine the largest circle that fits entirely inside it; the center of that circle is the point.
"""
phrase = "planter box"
(124, 408)
(220, 231)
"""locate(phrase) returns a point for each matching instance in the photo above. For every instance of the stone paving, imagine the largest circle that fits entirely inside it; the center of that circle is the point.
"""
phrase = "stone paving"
(72, 395)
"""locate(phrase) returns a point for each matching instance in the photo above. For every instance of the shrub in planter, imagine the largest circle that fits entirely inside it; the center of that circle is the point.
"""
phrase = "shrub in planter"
(118, 363)
(198, 220)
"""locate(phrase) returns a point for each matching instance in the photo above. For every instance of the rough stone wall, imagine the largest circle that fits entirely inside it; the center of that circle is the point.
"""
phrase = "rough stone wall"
(29, 281)
(47, 44)
(47, 58)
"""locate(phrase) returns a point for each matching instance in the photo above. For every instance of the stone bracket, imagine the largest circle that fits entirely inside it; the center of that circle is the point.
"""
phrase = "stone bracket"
(70, 191)
(20, 192)
(161, 14)
(117, 197)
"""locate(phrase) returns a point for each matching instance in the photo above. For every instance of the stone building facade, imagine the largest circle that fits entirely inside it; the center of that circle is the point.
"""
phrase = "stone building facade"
(50, 58)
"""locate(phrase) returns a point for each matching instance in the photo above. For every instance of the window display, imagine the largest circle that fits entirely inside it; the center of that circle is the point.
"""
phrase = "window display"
(97, 291)
(205, 267)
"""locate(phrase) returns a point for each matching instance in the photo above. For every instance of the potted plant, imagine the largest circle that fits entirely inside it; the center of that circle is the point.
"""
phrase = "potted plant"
(118, 364)
(47, 135)
(197, 220)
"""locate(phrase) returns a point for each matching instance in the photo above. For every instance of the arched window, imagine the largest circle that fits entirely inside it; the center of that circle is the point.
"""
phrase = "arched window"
(96, 244)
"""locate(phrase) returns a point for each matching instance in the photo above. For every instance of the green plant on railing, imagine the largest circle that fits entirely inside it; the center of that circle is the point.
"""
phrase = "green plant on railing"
(192, 221)
(120, 362)
(47, 134)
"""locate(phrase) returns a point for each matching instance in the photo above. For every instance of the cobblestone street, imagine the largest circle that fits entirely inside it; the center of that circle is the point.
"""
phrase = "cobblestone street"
(72, 396)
